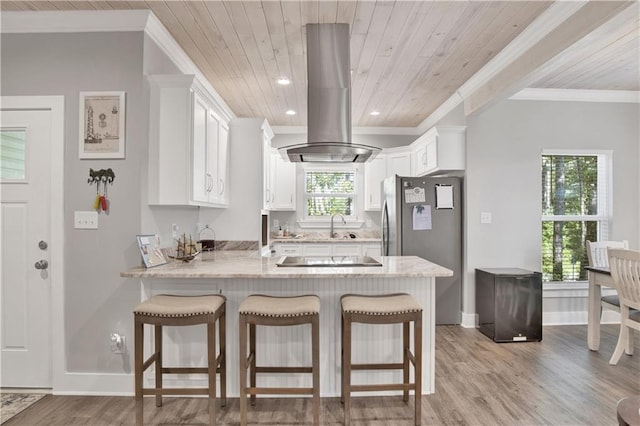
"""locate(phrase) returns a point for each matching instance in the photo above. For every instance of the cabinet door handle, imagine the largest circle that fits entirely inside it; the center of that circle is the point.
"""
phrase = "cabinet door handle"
(209, 182)
(424, 158)
(268, 196)
(222, 186)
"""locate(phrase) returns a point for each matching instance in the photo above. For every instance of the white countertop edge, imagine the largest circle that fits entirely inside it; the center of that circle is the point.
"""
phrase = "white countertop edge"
(238, 264)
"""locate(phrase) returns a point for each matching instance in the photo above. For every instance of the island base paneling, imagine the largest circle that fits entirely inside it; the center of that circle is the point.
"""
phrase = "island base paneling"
(290, 345)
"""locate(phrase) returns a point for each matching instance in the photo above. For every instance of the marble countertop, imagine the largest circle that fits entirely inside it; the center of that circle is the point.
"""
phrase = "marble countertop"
(249, 264)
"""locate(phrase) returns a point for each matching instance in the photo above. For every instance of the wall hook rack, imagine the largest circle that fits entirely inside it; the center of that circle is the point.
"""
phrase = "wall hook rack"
(102, 175)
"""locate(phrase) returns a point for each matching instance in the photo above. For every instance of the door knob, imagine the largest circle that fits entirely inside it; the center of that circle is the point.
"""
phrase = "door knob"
(42, 264)
(43, 245)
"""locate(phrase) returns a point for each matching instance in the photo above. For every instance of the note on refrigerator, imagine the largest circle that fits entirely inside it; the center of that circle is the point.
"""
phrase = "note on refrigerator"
(422, 217)
(414, 195)
(444, 196)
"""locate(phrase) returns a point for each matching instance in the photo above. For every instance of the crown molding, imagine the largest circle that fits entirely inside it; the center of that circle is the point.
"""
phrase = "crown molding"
(574, 95)
(161, 36)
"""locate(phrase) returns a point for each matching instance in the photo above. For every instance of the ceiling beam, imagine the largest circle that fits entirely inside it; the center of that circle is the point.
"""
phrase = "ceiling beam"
(539, 58)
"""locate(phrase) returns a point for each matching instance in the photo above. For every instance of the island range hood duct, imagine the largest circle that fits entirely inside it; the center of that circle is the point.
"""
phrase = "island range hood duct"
(328, 101)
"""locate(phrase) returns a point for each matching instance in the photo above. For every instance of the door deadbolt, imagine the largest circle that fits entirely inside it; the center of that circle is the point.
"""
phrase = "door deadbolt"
(43, 245)
(42, 264)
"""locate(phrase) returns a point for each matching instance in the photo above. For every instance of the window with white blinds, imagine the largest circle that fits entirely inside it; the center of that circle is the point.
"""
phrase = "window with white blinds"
(575, 208)
(329, 192)
(13, 148)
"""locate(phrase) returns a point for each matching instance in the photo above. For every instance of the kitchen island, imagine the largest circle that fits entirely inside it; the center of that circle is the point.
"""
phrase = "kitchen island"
(236, 274)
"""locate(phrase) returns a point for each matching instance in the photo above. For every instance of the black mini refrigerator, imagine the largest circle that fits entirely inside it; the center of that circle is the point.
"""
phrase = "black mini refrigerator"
(509, 304)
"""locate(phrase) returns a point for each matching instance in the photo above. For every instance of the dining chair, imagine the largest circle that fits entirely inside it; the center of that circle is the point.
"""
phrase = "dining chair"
(625, 271)
(597, 256)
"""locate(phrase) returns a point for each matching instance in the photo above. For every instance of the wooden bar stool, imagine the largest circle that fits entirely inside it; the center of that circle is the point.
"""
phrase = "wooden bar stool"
(383, 309)
(277, 311)
(167, 310)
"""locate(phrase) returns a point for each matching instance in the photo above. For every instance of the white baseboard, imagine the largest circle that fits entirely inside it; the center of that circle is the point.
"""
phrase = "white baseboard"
(469, 320)
(95, 384)
(554, 318)
(116, 384)
(578, 318)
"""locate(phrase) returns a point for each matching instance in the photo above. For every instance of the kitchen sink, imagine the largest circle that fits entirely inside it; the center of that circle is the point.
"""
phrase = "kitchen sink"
(327, 261)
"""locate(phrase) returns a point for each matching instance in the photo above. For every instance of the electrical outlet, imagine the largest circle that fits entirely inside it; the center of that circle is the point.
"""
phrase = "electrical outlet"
(276, 223)
(118, 344)
(85, 220)
(174, 230)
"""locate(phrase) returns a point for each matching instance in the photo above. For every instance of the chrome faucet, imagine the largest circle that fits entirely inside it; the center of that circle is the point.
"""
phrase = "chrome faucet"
(344, 222)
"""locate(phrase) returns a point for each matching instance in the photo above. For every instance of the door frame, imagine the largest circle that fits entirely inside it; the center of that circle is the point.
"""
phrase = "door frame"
(55, 104)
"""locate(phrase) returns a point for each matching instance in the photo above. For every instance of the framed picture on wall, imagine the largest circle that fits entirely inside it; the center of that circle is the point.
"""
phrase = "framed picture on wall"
(102, 123)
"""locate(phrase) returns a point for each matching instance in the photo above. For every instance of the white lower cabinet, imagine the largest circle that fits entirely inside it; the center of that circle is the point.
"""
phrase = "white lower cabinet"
(329, 249)
(347, 250)
(288, 249)
(371, 250)
(316, 249)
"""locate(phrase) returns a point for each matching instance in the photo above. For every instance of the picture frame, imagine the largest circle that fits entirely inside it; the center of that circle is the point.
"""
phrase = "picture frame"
(152, 254)
(102, 125)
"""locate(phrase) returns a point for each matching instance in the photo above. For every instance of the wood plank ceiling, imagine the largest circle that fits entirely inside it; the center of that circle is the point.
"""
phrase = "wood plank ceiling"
(407, 57)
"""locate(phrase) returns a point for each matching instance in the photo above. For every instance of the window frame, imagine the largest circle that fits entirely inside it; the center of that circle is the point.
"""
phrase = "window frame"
(334, 168)
(604, 197)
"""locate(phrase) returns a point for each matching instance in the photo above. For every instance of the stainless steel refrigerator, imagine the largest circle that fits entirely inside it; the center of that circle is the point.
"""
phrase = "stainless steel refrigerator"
(422, 216)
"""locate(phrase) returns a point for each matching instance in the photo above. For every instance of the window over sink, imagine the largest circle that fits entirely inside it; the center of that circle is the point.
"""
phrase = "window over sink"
(328, 192)
(575, 208)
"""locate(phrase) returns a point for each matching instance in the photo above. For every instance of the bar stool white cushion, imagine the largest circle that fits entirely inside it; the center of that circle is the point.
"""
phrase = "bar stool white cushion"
(392, 304)
(272, 306)
(165, 305)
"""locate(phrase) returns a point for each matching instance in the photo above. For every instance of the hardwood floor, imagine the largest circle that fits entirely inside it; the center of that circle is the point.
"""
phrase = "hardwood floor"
(478, 382)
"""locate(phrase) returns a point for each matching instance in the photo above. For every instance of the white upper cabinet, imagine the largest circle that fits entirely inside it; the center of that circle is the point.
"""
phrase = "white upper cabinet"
(223, 163)
(374, 173)
(398, 162)
(283, 180)
(393, 161)
(188, 144)
(267, 175)
(439, 150)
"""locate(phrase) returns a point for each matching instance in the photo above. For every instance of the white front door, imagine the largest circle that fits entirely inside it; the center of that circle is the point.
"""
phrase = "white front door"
(25, 212)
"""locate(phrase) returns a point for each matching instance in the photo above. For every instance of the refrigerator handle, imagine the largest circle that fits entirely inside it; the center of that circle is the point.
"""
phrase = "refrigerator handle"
(385, 229)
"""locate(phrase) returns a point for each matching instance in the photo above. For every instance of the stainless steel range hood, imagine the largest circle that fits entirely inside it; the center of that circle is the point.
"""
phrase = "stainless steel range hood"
(328, 101)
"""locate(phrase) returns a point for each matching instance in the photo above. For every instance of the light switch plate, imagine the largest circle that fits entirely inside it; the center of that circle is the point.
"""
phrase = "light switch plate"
(485, 217)
(85, 220)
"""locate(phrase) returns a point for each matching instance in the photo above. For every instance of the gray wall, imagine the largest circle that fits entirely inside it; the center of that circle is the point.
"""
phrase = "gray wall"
(504, 146)
(97, 300)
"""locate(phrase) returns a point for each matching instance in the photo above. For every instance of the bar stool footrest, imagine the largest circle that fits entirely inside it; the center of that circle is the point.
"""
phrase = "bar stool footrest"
(279, 391)
(175, 391)
(387, 366)
(381, 387)
(284, 369)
